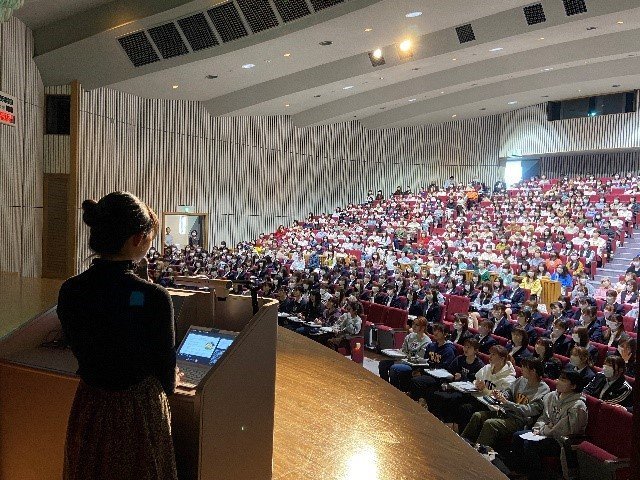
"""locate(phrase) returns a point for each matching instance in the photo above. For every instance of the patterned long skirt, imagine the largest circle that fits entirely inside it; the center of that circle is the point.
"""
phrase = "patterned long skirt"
(120, 435)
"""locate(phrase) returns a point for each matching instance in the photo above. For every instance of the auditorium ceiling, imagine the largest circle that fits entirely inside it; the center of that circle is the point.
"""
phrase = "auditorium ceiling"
(310, 58)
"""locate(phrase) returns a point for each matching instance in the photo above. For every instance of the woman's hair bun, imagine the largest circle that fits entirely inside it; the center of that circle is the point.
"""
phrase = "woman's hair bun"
(89, 209)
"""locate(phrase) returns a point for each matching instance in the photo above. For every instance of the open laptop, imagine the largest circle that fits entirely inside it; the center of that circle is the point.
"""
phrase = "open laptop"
(200, 349)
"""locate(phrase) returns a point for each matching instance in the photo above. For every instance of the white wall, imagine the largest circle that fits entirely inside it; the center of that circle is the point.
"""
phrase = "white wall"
(21, 163)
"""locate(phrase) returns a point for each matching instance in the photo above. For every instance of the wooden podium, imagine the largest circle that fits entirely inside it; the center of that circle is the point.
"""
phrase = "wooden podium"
(230, 413)
(550, 292)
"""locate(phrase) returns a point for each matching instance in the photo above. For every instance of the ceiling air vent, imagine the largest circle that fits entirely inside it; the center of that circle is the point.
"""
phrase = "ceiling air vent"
(139, 49)
(258, 14)
(168, 40)
(465, 33)
(197, 32)
(574, 7)
(292, 9)
(227, 21)
(534, 14)
(322, 4)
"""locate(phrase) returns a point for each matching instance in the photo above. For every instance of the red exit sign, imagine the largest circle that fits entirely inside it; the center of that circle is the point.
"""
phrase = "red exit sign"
(7, 109)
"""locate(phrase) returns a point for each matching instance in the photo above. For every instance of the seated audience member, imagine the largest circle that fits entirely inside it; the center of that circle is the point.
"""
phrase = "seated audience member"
(285, 302)
(613, 331)
(627, 350)
(557, 335)
(485, 340)
(485, 300)
(463, 368)
(581, 362)
(514, 298)
(532, 283)
(580, 337)
(589, 320)
(611, 299)
(629, 294)
(564, 415)
(414, 345)
(299, 306)
(498, 375)
(544, 352)
(518, 345)
(601, 291)
(439, 353)
(634, 267)
(525, 321)
(415, 305)
(433, 309)
(349, 324)
(503, 325)
(563, 277)
(610, 385)
(520, 405)
(460, 328)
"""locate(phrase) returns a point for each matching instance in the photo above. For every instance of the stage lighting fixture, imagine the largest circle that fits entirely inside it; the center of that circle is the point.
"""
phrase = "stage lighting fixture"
(376, 57)
(405, 49)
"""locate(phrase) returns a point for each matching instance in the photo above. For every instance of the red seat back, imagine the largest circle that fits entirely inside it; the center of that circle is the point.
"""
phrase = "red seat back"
(456, 304)
(615, 428)
(593, 410)
(396, 318)
(377, 313)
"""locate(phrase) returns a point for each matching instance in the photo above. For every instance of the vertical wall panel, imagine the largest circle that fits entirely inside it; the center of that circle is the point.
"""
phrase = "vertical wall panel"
(253, 173)
(527, 132)
(21, 165)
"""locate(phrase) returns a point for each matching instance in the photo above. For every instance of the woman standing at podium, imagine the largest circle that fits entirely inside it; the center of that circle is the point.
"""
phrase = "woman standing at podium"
(121, 330)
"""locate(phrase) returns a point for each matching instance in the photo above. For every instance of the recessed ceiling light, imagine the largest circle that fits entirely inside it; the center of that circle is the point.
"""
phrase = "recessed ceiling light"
(545, 96)
(620, 22)
(405, 45)
(541, 38)
(317, 96)
(413, 14)
(497, 49)
(247, 66)
(579, 91)
(287, 105)
(211, 77)
(413, 99)
(348, 87)
(415, 69)
(381, 78)
(592, 28)
(482, 109)
(441, 92)
(454, 59)
(377, 54)
(454, 116)
(325, 43)
(513, 102)
(267, 61)
(175, 86)
(547, 69)
(616, 86)
(368, 29)
(287, 55)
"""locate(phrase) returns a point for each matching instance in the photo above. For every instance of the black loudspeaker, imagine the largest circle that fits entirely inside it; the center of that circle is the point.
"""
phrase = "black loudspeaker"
(58, 115)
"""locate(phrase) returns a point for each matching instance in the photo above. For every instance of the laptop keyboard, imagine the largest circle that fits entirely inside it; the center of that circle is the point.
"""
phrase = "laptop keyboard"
(191, 376)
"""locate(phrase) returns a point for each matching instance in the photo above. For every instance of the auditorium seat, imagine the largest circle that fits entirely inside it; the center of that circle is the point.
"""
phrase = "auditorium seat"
(394, 330)
(605, 455)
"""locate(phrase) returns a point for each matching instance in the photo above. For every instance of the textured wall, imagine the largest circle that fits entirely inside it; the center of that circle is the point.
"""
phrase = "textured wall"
(21, 157)
(527, 132)
(253, 173)
(605, 164)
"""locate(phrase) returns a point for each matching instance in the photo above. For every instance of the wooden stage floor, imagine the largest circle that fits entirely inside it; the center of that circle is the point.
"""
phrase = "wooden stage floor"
(334, 420)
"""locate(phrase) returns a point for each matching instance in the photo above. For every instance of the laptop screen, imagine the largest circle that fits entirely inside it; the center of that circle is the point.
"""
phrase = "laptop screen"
(204, 346)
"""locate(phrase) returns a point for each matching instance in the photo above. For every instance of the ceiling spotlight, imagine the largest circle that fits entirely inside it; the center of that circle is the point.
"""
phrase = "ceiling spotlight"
(287, 105)
(317, 96)
(620, 22)
(616, 86)
(497, 49)
(326, 43)
(592, 28)
(368, 29)
(547, 69)
(287, 55)
(175, 86)
(211, 77)
(441, 92)
(405, 49)
(413, 99)
(413, 14)
(513, 102)
(247, 66)
(381, 78)
(348, 87)
(454, 59)
(454, 116)
(541, 38)
(482, 109)
(376, 58)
